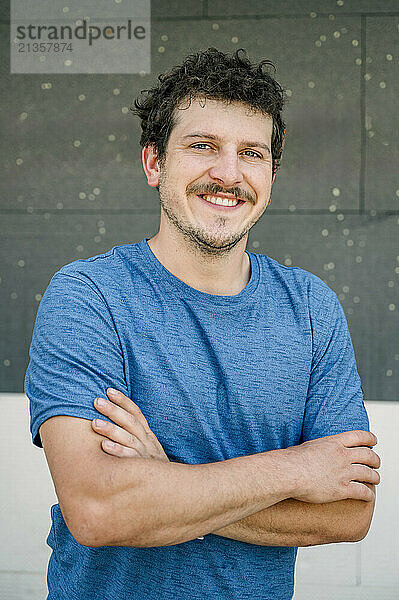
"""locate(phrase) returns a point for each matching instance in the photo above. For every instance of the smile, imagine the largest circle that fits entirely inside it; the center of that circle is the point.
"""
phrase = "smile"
(220, 203)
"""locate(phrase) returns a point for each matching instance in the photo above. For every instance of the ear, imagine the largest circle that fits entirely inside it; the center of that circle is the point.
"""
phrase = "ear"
(150, 165)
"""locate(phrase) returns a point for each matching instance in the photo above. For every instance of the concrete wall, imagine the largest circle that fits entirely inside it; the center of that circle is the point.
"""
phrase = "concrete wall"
(73, 185)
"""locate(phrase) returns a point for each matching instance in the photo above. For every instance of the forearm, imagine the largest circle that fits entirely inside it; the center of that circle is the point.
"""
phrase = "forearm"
(282, 524)
(295, 523)
(288, 523)
(170, 503)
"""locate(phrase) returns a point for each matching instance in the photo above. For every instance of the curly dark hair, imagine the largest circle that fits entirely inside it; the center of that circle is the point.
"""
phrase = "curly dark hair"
(214, 75)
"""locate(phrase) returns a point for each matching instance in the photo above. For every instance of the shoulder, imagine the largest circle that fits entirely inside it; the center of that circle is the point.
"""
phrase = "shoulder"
(98, 264)
(89, 283)
(298, 283)
(102, 272)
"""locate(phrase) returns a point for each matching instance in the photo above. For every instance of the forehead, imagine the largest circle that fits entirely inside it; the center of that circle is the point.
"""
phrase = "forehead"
(221, 118)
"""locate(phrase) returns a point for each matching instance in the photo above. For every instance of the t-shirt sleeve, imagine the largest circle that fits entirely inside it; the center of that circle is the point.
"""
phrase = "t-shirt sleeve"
(334, 401)
(75, 353)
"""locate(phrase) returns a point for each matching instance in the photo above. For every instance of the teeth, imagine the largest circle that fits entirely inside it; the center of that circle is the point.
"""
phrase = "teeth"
(221, 201)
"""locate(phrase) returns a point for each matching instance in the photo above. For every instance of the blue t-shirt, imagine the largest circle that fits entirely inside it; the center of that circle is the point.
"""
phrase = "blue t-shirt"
(216, 377)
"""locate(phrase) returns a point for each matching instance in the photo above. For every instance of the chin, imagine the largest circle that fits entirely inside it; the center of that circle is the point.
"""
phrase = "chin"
(219, 243)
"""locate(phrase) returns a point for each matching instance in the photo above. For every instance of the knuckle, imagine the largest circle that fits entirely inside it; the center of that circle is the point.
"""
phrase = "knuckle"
(364, 493)
(345, 486)
(374, 459)
(370, 472)
(132, 420)
(135, 410)
(372, 438)
(360, 471)
(362, 436)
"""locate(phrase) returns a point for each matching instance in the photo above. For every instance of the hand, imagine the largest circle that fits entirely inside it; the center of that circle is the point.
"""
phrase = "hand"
(335, 467)
(134, 437)
(131, 436)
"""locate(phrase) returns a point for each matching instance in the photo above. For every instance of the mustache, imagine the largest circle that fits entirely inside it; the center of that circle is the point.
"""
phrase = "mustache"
(215, 189)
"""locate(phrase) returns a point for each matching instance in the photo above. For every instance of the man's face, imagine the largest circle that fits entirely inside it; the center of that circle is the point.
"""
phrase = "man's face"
(218, 150)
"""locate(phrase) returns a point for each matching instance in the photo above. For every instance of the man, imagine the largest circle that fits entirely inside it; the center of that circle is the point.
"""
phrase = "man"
(238, 424)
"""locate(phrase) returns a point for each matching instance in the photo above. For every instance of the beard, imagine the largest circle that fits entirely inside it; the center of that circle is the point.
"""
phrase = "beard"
(210, 240)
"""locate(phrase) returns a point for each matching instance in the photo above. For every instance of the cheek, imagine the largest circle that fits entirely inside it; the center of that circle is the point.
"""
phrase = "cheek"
(194, 164)
(261, 182)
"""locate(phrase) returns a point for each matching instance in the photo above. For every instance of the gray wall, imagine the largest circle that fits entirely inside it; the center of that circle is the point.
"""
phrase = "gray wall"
(73, 186)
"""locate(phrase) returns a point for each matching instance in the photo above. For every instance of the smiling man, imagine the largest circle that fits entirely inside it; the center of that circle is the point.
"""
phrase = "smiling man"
(214, 185)
(238, 426)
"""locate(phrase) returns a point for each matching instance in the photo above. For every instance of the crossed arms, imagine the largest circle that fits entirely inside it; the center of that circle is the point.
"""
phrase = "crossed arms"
(133, 496)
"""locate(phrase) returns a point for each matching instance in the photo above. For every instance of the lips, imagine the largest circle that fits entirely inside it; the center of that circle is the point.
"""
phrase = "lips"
(219, 206)
(229, 197)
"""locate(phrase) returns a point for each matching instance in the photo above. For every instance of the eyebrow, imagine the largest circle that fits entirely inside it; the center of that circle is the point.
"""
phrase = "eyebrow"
(201, 134)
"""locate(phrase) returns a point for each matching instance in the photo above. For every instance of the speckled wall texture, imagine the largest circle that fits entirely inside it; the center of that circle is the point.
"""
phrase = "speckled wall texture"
(72, 184)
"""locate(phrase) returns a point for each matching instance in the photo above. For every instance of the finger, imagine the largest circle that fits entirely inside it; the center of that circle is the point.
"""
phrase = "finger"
(356, 437)
(150, 448)
(118, 450)
(117, 434)
(365, 456)
(124, 402)
(120, 416)
(123, 411)
(365, 474)
(360, 491)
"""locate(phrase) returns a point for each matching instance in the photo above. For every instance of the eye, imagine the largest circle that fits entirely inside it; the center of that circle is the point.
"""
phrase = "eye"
(199, 144)
(255, 154)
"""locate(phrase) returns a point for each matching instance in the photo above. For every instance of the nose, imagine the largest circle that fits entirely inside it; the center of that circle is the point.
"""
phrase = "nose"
(226, 168)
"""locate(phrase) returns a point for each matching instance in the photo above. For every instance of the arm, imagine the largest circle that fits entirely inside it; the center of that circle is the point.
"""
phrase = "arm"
(334, 404)
(75, 353)
(108, 501)
(295, 523)
(287, 523)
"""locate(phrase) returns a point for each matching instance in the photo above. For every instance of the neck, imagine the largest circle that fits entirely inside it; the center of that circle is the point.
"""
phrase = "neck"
(223, 273)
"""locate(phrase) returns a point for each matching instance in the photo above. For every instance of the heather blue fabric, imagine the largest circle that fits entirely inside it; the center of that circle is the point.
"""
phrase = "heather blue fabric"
(216, 377)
